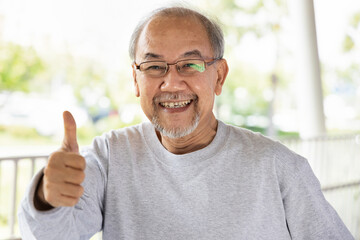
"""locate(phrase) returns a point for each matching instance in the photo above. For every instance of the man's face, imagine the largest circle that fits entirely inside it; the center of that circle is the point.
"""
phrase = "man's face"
(177, 104)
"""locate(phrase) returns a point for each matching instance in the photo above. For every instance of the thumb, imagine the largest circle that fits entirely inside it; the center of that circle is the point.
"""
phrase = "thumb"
(69, 143)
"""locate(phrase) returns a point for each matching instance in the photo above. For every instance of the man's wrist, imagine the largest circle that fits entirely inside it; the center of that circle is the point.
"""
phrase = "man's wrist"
(39, 200)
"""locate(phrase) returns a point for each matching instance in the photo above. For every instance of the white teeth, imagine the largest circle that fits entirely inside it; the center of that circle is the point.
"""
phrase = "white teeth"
(175, 104)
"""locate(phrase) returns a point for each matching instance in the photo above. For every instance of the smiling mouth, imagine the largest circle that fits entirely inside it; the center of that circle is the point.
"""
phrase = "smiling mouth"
(175, 104)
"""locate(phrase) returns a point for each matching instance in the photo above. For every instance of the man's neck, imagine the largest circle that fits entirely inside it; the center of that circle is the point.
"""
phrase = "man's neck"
(200, 138)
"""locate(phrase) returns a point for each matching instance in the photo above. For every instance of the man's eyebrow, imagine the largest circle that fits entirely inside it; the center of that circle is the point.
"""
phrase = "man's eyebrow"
(152, 55)
(195, 53)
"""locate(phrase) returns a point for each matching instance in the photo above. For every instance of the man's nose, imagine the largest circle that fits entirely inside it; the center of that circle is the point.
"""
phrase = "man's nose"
(173, 81)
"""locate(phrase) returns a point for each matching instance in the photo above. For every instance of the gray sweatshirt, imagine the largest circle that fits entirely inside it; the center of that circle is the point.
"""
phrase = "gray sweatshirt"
(241, 186)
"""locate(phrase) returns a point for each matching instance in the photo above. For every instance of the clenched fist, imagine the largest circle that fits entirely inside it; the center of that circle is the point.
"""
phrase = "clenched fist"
(64, 172)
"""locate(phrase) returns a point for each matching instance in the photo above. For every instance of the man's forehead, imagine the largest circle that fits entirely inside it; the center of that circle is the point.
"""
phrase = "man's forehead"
(164, 26)
(178, 35)
(173, 20)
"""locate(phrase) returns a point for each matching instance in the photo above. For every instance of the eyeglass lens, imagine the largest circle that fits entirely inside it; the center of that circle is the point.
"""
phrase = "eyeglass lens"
(190, 66)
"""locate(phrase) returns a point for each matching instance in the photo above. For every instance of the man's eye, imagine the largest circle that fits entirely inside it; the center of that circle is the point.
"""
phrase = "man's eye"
(188, 65)
(193, 66)
(155, 67)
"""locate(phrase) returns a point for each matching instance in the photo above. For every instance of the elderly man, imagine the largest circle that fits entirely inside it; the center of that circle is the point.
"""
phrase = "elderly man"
(185, 175)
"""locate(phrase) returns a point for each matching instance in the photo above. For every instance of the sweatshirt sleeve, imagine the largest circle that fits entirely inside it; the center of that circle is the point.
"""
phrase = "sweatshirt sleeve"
(79, 222)
(308, 214)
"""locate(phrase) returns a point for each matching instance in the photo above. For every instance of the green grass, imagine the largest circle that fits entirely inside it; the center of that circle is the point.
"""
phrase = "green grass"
(19, 135)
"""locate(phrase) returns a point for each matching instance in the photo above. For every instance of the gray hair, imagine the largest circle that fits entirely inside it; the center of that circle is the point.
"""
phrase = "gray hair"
(213, 29)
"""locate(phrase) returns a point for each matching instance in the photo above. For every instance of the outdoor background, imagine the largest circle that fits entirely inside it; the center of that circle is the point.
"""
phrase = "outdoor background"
(73, 55)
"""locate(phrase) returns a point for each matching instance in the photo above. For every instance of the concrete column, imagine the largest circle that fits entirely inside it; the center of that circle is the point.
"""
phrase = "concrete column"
(310, 96)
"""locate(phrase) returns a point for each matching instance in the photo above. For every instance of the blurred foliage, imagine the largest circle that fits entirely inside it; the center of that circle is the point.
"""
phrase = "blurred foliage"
(19, 131)
(355, 20)
(351, 73)
(97, 89)
(243, 93)
(348, 43)
(18, 66)
(15, 135)
(104, 94)
(352, 35)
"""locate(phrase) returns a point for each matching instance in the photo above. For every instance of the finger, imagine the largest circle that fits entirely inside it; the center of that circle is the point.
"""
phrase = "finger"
(74, 176)
(60, 200)
(69, 175)
(71, 190)
(61, 160)
(65, 194)
(70, 141)
(75, 161)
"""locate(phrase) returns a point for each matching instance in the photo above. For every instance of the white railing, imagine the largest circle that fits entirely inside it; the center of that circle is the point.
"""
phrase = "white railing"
(13, 196)
(335, 161)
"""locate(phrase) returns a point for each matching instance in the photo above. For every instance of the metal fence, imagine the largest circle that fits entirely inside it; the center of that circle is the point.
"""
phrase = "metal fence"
(335, 161)
(15, 172)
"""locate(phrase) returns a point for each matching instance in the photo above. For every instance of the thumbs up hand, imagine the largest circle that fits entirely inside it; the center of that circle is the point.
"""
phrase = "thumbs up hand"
(64, 172)
(69, 143)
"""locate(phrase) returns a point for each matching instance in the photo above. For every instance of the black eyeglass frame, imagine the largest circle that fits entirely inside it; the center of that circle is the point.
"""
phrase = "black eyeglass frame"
(209, 63)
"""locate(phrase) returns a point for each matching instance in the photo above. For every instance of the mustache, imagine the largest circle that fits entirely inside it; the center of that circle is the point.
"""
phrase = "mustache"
(174, 96)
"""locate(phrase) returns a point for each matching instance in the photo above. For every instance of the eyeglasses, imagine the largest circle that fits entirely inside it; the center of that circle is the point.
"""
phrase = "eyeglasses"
(184, 67)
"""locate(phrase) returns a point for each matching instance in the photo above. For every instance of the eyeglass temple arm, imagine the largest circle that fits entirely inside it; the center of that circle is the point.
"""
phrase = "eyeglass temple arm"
(212, 62)
(136, 66)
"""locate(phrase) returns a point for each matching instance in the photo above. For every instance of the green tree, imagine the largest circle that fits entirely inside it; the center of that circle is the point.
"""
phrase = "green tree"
(244, 92)
(350, 38)
(350, 47)
(18, 67)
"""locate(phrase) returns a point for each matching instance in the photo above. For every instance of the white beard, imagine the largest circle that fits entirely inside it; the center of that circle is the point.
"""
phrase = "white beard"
(176, 132)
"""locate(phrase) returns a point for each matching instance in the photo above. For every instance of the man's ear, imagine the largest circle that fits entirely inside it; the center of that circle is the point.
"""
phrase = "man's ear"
(222, 71)
(136, 85)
